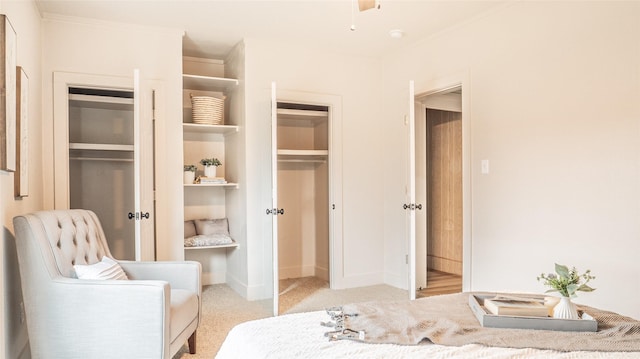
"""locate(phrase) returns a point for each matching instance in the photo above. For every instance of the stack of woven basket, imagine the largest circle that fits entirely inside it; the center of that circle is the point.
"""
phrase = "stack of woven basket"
(207, 110)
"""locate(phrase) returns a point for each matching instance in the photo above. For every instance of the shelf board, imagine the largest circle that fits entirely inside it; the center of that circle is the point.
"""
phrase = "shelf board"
(306, 114)
(230, 245)
(302, 155)
(229, 184)
(207, 83)
(100, 147)
(101, 102)
(201, 128)
(104, 159)
(303, 152)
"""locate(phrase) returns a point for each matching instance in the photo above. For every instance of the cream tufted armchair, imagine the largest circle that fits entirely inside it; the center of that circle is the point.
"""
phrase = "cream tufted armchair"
(151, 315)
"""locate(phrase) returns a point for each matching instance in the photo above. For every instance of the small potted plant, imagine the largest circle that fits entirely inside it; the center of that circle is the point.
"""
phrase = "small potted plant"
(566, 282)
(189, 174)
(210, 165)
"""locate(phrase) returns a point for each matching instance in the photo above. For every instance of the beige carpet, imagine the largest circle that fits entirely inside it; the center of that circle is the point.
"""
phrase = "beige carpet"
(222, 308)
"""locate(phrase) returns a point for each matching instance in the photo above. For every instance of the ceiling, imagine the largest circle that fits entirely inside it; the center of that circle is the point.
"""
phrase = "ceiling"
(213, 27)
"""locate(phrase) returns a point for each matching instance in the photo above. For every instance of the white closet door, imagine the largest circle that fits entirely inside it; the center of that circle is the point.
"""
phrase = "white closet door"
(421, 194)
(143, 104)
(410, 206)
(273, 211)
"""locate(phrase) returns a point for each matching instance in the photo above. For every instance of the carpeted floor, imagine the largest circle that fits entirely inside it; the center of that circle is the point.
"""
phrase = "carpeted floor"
(222, 308)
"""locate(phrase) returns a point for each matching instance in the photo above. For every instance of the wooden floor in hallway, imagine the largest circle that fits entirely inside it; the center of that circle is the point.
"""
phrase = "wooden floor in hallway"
(440, 283)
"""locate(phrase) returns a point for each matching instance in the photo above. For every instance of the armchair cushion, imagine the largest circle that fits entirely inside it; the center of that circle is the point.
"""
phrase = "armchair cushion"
(105, 269)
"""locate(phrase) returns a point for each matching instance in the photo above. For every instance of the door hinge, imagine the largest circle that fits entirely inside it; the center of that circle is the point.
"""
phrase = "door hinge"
(406, 259)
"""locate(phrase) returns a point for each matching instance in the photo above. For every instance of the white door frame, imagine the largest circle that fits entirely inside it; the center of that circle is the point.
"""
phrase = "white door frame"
(422, 90)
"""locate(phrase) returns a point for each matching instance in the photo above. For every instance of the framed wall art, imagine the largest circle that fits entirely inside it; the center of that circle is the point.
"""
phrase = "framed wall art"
(8, 39)
(21, 176)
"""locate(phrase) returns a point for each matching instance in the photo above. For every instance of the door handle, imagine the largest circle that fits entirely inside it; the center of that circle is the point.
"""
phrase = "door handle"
(412, 206)
(138, 215)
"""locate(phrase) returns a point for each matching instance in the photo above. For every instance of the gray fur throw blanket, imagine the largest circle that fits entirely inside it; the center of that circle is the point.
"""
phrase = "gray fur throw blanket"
(448, 320)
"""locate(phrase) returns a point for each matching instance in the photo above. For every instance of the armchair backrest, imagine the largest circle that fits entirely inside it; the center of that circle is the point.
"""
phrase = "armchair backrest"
(61, 239)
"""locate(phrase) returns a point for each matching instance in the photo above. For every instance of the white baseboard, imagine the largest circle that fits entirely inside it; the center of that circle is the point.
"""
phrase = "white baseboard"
(355, 281)
(396, 280)
(236, 285)
(258, 292)
(322, 273)
(296, 272)
(213, 278)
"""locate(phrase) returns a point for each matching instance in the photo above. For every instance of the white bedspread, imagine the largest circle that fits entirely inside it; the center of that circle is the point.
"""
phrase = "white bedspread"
(301, 336)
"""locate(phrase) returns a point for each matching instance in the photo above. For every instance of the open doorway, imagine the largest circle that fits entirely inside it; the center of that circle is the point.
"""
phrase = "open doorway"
(303, 175)
(439, 184)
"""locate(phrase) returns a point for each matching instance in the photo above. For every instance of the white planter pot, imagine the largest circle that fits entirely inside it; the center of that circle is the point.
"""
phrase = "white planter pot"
(189, 177)
(210, 171)
(565, 309)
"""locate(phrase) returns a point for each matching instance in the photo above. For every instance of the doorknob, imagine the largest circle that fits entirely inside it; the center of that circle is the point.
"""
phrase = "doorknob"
(138, 215)
(412, 206)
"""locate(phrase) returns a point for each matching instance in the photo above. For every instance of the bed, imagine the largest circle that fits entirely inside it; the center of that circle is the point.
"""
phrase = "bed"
(302, 336)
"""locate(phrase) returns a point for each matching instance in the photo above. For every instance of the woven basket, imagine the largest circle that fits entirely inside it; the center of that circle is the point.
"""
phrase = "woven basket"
(207, 110)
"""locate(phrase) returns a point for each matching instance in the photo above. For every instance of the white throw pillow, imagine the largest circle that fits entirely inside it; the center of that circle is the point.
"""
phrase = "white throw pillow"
(106, 269)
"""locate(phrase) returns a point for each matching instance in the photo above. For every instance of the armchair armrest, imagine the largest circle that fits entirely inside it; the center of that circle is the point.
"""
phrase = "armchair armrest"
(179, 275)
(102, 313)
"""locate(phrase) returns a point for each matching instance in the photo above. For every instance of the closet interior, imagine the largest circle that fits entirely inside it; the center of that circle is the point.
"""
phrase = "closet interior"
(303, 190)
(101, 163)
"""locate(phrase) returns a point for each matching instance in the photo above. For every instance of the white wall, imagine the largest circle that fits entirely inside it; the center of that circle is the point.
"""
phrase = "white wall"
(25, 19)
(356, 80)
(554, 106)
(103, 48)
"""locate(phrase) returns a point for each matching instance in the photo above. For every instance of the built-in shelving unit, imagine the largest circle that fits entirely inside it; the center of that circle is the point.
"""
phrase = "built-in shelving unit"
(206, 141)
